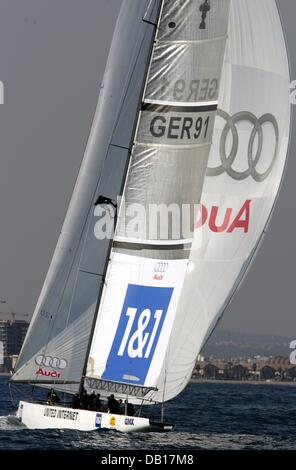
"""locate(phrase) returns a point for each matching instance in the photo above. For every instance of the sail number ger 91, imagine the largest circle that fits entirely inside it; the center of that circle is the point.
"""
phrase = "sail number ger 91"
(177, 127)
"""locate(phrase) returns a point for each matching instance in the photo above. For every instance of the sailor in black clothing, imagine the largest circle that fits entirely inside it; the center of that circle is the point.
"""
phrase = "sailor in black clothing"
(52, 398)
(76, 401)
(130, 410)
(120, 407)
(97, 403)
(113, 405)
(91, 401)
(84, 400)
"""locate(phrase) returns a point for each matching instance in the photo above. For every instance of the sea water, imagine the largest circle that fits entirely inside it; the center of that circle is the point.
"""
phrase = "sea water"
(207, 416)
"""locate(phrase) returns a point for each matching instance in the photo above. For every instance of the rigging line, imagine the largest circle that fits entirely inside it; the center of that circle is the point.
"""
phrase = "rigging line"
(83, 233)
(142, 97)
(165, 381)
(88, 213)
(153, 45)
(83, 228)
(150, 22)
(160, 12)
(90, 273)
(99, 181)
(169, 42)
(161, 6)
(11, 395)
(120, 147)
(102, 289)
(130, 74)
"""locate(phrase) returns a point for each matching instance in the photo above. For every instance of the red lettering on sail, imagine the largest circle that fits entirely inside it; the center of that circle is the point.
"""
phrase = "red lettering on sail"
(203, 216)
(48, 373)
(213, 220)
(226, 221)
(242, 219)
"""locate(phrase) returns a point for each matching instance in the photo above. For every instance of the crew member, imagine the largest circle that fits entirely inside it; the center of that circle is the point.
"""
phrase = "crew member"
(76, 401)
(97, 403)
(130, 410)
(113, 405)
(52, 397)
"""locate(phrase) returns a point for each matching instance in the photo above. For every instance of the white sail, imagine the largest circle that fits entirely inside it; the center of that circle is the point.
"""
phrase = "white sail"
(244, 173)
(167, 168)
(56, 345)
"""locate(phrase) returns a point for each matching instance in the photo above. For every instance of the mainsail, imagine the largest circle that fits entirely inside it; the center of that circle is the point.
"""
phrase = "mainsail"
(150, 253)
(137, 309)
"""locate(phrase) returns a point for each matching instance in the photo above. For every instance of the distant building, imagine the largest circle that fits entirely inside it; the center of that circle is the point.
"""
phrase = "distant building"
(265, 369)
(267, 373)
(12, 335)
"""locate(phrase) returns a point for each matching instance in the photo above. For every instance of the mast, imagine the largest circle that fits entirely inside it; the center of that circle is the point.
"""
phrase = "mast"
(154, 25)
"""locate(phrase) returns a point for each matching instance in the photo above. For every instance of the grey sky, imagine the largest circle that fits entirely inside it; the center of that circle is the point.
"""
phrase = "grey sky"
(52, 59)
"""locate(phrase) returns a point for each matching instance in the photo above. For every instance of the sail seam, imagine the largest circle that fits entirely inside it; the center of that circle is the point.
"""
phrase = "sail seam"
(149, 22)
(120, 147)
(161, 108)
(189, 146)
(192, 41)
(181, 103)
(120, 242)
(91, 273)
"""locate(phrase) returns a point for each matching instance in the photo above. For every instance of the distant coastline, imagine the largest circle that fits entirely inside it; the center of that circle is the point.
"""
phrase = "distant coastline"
(241, 382)
(213, 381)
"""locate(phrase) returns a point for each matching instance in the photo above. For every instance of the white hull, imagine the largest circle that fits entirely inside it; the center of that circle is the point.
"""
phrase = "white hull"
(36, 416)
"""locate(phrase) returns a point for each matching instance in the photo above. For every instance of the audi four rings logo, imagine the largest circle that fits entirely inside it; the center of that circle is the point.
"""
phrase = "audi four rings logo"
(49, 361)
(161, 267)
(254, 155)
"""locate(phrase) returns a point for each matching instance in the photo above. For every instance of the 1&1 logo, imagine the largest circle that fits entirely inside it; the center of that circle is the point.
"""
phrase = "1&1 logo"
(141, 321)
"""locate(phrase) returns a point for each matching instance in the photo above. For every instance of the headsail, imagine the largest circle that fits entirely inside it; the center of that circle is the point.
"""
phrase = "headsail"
(57, 341)
(244, 173)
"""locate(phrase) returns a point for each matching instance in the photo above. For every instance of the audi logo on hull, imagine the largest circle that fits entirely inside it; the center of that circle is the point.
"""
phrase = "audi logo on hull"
(255, 146)
(49, 361)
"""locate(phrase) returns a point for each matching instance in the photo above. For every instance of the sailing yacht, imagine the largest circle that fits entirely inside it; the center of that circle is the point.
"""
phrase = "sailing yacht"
(193, 116)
